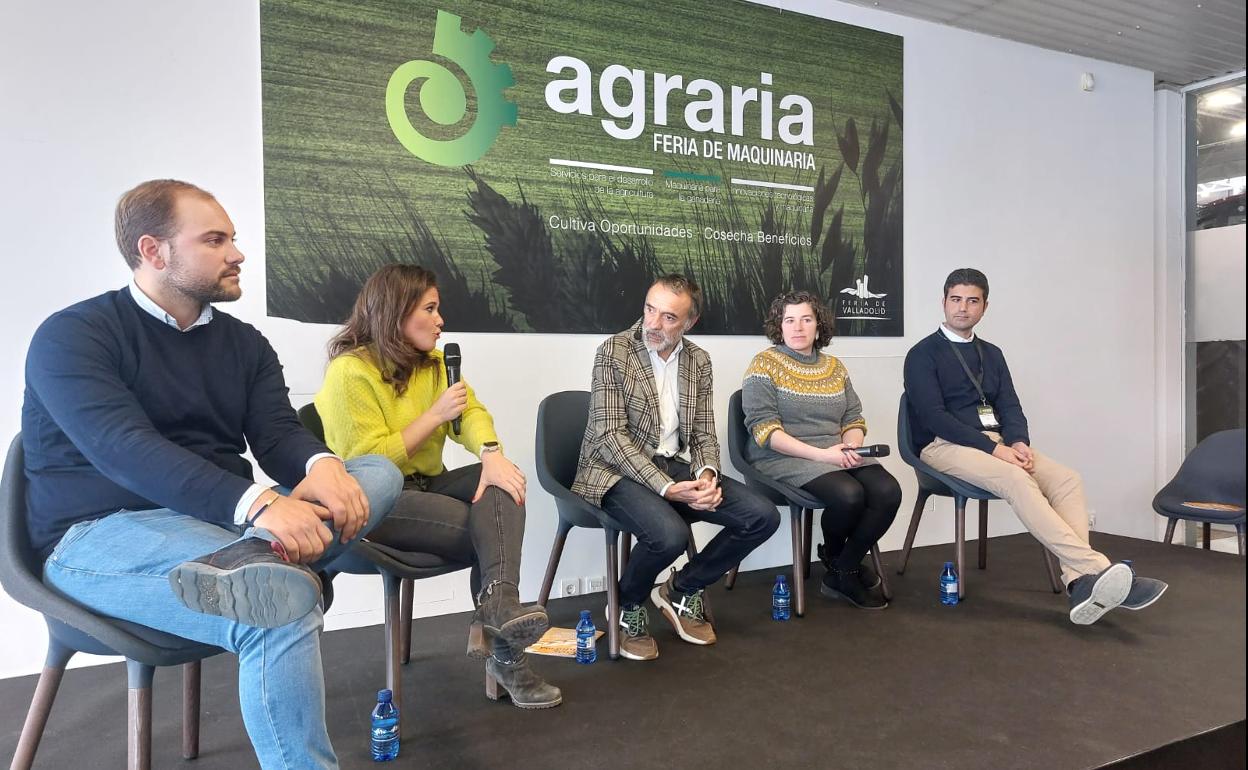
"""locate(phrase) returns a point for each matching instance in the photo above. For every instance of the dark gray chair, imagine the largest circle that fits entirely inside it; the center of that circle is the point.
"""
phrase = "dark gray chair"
(1212, 473)
(72, 629)
(933, 482)
(398, 570)
(561, 420)
(802, 506)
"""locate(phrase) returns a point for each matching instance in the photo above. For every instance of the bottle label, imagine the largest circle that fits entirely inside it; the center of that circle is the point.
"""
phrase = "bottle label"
(949, 588)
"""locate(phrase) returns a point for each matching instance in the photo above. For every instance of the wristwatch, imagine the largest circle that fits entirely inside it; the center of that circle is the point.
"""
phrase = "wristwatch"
(490, 446)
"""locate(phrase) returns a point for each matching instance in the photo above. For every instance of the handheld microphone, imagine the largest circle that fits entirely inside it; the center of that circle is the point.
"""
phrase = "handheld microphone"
(874, 450)
(453, 360)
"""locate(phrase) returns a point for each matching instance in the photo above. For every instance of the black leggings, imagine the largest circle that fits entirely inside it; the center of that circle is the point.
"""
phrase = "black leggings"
(861, 504)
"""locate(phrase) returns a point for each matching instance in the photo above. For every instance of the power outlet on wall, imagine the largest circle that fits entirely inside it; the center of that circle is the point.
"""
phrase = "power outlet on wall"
(1091, 519)
(595, 584)
(570, 587)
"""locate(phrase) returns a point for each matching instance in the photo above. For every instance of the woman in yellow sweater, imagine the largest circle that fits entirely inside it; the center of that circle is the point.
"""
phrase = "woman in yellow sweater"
(386, 393)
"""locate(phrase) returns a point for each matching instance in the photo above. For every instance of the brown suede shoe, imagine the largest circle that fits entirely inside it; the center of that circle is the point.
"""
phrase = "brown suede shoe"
(636, 643)
(685, 612)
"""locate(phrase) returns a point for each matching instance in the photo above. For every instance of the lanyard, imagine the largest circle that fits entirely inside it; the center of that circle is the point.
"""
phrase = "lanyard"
(976, 381)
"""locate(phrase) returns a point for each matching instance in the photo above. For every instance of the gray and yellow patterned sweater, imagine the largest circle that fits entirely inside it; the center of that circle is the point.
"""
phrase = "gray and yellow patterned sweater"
(809, 397)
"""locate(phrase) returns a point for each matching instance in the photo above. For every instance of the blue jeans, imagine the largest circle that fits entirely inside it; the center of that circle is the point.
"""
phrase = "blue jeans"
(747, 517)
(117, 566)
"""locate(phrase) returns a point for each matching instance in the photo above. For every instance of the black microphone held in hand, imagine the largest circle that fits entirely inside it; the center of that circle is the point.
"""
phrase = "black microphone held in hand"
(874, 450)
(453, 360)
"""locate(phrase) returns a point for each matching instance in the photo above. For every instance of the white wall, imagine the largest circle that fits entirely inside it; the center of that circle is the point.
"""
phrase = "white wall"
(1009, 167)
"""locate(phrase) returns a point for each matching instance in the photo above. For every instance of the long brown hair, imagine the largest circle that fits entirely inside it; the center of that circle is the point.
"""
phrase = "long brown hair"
(376, 322)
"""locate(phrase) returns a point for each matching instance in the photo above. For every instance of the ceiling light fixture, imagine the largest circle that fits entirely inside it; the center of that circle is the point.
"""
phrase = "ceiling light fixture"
(1225, 97)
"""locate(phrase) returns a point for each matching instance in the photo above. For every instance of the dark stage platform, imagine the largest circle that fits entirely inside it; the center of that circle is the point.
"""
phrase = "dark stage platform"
(1003, 680)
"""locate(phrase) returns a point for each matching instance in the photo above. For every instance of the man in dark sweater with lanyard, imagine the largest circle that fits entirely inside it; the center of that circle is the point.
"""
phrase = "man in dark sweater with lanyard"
(138, 406)
(966, 421)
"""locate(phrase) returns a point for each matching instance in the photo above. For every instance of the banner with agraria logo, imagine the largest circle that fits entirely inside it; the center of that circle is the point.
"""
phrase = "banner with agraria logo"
(548, 160)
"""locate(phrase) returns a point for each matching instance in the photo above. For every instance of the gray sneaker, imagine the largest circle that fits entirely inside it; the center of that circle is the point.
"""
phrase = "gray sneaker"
(248, 581)
(1091, 596)
(1144, 591)
(636, 643)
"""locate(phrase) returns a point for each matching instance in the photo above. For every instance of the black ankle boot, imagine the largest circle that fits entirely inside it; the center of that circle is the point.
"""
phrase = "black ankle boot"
(847, 585)
(500, 615)
(507, 672)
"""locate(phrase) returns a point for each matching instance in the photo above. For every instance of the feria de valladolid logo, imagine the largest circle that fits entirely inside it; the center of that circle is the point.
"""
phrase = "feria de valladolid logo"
(444, 100)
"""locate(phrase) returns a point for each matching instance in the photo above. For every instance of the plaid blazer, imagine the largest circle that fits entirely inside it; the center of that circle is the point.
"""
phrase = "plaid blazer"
(623, 428)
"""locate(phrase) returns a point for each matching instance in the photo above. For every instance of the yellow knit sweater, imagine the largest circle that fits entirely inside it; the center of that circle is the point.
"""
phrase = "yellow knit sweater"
(362, 415)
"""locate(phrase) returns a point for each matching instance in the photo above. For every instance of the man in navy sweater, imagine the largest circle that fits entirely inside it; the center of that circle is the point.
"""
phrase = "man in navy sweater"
(966, 421)
(138, 406)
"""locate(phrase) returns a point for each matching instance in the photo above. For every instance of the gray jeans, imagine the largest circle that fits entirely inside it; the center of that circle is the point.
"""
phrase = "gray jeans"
(441, 519)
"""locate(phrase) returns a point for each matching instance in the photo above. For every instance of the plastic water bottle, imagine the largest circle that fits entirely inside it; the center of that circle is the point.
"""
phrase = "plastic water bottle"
(586, 641)
(780, 599)
(385, 732)
(949, 585)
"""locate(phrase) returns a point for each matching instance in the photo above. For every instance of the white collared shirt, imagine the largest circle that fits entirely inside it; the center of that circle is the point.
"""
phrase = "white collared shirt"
(667, 387)
(954, 336)
(156, 311)
(149, 306)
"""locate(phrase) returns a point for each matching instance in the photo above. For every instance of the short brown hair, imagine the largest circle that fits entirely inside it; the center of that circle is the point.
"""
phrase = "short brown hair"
(680, 284)
(824, 326)
(376, 322)
(966, 276)
(149, 209)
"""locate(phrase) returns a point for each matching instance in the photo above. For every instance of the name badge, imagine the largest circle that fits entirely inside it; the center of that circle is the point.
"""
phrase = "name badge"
(987, 417)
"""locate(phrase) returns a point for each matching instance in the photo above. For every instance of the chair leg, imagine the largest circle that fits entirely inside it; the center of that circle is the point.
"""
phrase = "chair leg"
(191, 674)
(552, 564)
(41, 705)
(914, 528)
(959, 524)
(983, 534)
(1170, 524)
(879, 570)
(626, 550)
(139, 715)
(799, 553)
(1050, 566)
(808, 525)
(391, 589)
(731, 580)
(613, 595)
(1204, 531)
(407, 591)
(1239, 533)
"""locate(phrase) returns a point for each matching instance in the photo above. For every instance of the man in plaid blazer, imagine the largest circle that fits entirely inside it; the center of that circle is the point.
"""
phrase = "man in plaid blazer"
(650, 459)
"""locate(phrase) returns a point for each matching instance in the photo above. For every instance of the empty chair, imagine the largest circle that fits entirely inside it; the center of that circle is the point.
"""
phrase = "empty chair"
(1209, 487)
(72, 629)
(933, 482)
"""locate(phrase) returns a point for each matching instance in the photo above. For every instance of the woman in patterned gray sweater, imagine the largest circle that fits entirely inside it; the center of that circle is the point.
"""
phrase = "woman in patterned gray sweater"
(804, 416)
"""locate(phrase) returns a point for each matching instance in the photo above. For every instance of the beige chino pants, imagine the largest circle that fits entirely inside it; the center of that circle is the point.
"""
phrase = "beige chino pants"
(1049, 500)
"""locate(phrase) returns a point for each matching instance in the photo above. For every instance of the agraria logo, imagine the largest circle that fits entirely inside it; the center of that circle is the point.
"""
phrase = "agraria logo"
(444, 100)
(862, 303)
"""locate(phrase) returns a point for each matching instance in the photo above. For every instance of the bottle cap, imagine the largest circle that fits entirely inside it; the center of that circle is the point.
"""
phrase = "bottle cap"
(585, 615)
(384, 696)
(948, 564)
(779, 578)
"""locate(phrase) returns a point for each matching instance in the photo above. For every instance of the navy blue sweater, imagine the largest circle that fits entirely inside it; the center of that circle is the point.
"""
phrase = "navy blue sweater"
(124, 411)
(943, 401)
